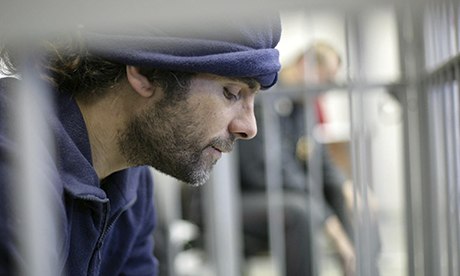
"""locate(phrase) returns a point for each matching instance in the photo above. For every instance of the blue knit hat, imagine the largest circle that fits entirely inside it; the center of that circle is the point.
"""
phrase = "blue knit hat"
(238, 48)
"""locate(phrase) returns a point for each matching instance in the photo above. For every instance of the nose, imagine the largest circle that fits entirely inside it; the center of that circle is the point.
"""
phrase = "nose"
(244, 125)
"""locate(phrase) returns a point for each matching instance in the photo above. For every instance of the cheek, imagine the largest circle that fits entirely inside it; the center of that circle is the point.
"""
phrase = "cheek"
(212, 111)
(214, 121)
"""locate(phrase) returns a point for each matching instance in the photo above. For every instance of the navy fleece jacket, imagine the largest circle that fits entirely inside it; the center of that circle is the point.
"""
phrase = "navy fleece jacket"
(106, 227)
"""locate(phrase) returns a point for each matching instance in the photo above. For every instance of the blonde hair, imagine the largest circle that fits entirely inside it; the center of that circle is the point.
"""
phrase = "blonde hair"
(318, 52)
(317, 56)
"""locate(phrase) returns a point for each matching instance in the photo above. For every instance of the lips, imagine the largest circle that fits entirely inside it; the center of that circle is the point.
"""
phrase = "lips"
(219, 150)
(223, 147)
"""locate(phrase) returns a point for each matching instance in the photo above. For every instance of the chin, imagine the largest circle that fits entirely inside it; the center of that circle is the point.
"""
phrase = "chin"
(198, 179)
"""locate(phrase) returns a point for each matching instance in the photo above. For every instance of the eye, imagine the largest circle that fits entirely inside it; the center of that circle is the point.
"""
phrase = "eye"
(231, 94)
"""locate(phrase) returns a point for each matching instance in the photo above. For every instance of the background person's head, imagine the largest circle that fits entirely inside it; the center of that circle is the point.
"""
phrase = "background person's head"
(318, 64)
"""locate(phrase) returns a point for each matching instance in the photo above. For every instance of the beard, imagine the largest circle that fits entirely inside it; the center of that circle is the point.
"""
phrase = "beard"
(168, 138)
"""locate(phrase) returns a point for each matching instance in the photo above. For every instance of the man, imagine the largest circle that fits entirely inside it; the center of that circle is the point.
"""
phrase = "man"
(174, 99)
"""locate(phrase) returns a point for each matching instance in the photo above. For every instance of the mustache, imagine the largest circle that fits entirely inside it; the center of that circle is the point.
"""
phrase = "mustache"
(224, 145)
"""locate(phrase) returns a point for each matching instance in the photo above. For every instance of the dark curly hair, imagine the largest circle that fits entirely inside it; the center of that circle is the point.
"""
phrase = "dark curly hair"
(68, 66)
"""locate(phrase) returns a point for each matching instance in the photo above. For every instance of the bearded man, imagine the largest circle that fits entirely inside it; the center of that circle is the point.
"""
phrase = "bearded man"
(174, 99)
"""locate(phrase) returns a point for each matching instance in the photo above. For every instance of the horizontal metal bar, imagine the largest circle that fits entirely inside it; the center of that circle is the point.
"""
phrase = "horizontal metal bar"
(32, 17)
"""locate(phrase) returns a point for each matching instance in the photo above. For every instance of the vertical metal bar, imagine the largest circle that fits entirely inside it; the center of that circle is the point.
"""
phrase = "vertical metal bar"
(433, 11)
(168, 206)
(445, 50)
(34, 185)
(410, 34)
(273, 176)
(441, 34)
(359, 142)
(314, 177)
(446, 104)
(457, 23)
(431, 193)
(422, 182)
(452, 25)
(450, 195)
(437, 39)
(222, 218)
(452, 186)
(456, 153)
(435, 221)
(438, 150)
(428, 37)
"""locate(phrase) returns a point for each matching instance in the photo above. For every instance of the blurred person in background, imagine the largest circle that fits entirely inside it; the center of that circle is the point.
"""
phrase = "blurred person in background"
(328, 204)
(174, 99)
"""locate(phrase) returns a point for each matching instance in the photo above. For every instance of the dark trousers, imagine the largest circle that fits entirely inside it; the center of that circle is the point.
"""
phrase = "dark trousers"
(298, 236)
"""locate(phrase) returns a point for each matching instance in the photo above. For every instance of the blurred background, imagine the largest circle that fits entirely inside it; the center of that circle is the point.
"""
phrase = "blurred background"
(370, 123)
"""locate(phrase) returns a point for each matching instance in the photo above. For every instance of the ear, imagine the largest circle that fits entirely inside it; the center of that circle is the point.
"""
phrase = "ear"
(139, 82)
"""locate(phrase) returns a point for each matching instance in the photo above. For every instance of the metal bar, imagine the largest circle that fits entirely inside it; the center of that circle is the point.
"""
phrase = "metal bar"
(413, 64)
(452, 196)
(359, 145)
(436, 35)
(222, 218)
(314, 179)
(119, 13)
(273, 176)
(34, 185)
(428, 37)
(456, 167)
(445, 49)
(446, 97)
(457, 23)
(439, 229)
(430, 191)
(404, 20)
(452, 27)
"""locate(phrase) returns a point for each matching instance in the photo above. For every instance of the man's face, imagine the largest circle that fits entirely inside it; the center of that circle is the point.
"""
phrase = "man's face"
(328, 70)
(323, 72)
(185, 138)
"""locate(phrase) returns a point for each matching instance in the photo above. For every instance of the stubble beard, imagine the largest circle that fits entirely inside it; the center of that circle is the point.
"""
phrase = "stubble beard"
(169, 140)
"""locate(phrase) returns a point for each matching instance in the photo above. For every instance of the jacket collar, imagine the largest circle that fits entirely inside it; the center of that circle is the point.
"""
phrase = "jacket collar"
(75, 161)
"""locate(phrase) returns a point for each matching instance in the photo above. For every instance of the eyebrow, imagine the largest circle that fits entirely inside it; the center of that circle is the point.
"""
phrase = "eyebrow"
(251, 83)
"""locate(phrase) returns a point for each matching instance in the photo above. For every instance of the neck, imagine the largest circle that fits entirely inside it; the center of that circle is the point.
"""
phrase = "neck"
(104, 118)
